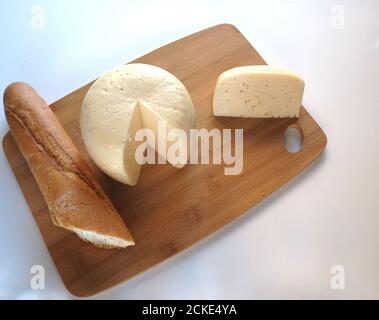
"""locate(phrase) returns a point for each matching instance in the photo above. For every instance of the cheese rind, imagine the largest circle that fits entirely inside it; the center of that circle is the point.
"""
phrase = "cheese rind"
(258, 92)
(124, 100)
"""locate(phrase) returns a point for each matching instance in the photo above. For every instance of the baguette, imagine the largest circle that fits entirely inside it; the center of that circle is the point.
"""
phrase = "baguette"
(73, 196)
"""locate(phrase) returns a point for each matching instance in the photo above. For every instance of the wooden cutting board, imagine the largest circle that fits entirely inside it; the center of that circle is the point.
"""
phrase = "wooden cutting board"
(171, 209)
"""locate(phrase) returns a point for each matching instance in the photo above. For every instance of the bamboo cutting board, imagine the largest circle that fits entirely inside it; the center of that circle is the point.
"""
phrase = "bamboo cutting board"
(171, 209)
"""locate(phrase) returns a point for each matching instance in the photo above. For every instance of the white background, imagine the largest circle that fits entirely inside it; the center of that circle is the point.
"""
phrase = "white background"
(283, 248)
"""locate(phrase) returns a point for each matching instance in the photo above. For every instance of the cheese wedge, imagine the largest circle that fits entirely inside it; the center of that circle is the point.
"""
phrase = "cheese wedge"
(258, 92)
(124, 100)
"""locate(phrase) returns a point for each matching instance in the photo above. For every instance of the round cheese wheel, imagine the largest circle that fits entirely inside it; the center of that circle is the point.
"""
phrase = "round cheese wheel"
(124, 100)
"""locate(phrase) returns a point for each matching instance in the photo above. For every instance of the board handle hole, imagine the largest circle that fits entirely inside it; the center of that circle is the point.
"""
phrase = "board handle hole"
(293, 138)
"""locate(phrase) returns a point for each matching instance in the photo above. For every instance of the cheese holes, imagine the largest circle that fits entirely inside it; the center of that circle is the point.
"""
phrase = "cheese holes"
(293, 139)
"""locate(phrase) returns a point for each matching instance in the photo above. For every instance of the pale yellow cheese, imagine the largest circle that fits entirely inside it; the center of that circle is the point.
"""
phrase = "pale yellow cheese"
(124, 100)
(258, 92)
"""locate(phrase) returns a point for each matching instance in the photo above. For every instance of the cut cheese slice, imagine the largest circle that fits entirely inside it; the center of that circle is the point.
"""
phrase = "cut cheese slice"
(258, 92)
(161, 130)
(130, 168)
(124, 100)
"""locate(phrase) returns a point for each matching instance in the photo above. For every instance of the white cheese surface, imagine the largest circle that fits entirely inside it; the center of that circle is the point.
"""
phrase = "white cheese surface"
(126, 99)
(258, 92)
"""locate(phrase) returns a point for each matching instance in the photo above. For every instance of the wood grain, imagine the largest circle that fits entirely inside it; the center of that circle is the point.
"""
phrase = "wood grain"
(171, 209)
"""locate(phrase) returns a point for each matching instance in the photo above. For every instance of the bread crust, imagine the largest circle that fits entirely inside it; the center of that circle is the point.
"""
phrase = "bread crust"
(73, 196)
